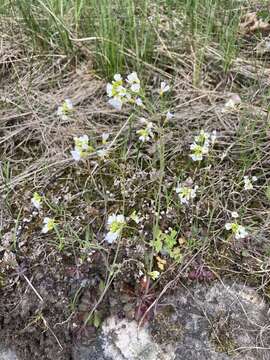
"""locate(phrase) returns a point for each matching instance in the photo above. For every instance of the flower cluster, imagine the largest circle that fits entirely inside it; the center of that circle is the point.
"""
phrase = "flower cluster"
(186, 193)
(120, 94)
(65, 109)
(238, 231)
(146, 133)
(201, 145)
(82, 148)
(115, 226)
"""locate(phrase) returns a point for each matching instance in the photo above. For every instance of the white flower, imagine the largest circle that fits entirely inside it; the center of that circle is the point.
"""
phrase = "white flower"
(198, 151)
(201, 145)
(81, 142)
(116, 87)
(146, 133)
(238, 230)
(186, 193)
(134, 82)
(36, 200)
(116, 92)
(248, 182)
(115, 226)
(138, 101)
(228, 226)
(164, 87)
(49, 225)
(102, 153)
(105, 137)
(254, 178)
(65, 109)
(234, 214)
(169, 116)
(232, 103)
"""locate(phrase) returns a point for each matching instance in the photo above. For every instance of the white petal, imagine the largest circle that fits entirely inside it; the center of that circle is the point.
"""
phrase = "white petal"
(196, 157)
(84, 138)
(234, 214)
(64, 117)
(228, 226)
(254, 178)
(69, 104)
(111, 219)
(183, 200)
(164, 87)
(139, 102)
(120, 218)
(117, 77)
(105, 137)
(59, 111)
(36, 203)
(111, 237)
(116, 103)
(76, 155)
(169, 115)
(109, 90)
(133, 77)
(142, 138)
(45, 229)
(135, 87)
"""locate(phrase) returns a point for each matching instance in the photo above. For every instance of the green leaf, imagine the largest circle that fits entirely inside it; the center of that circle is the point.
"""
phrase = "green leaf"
(170, 240)
(157, 243)
(101, 286)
